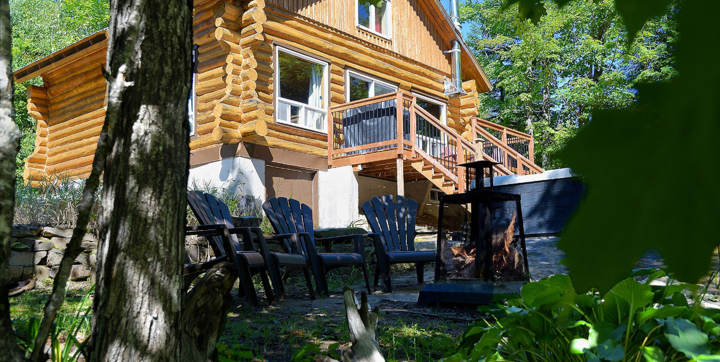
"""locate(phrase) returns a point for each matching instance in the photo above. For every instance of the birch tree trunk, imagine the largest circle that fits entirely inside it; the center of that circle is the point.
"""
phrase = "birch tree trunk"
(9, 143)
(138, 300)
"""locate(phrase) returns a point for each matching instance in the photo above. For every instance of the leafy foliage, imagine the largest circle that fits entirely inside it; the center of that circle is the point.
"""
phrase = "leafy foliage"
(552, 72)
(70, 331)
(53, 202)
(644, 203)
(633, 320)
(39, 28)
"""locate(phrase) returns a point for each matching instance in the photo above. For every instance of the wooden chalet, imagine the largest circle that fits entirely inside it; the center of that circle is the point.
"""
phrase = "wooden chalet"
(327, 101)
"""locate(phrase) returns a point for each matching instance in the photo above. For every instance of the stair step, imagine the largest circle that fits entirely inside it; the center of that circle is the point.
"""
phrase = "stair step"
(438, 175)
(427, 167)
(449, 183)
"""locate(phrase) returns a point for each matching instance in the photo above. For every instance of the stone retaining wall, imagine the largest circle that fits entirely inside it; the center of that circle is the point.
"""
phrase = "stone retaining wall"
(38, 250)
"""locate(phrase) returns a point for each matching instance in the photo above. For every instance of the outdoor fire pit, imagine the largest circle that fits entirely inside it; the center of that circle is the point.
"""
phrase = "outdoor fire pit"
(486, 260)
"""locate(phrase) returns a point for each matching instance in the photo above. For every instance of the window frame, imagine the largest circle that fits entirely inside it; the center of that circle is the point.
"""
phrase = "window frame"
(325, 108)
(424, 142)
(443, 106)
(352, 73)
(192, 101)
(372, 20)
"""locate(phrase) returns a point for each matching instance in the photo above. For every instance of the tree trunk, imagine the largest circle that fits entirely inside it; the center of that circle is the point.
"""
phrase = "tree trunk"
(138, 300)
(204, 310)
(9, 144)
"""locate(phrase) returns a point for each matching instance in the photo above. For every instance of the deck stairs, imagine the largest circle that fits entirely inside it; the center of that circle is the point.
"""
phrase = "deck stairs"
(380, 134)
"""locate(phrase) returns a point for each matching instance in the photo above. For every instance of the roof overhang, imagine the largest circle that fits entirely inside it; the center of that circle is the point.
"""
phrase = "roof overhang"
(61, 57)
(469, 62)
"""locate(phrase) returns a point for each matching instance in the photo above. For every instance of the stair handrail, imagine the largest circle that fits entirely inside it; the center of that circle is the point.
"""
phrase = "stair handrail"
(462, 146)
(521, 159)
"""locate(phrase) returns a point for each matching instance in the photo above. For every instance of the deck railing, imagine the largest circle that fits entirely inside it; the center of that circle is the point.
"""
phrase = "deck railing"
(370, 126)
(393, 125)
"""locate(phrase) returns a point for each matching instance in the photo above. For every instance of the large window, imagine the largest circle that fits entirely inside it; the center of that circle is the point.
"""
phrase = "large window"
(301, 90)
(375, 16)
(361, 87)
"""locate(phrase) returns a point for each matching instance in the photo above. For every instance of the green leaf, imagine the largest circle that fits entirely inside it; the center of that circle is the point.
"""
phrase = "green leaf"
(653, 354)
(548, 291)
(660, 313)
(19, 246)
(636, 200)
(528, 9)
(579, 345)
(610, 351)
(685, 337)
(635, 13)
(633, 293)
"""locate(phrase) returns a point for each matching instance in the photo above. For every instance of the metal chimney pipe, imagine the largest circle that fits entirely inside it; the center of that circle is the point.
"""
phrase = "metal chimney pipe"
(454, 11)
(457, 69)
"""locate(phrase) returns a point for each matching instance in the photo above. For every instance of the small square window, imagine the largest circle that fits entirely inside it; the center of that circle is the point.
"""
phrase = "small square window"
(375, 16)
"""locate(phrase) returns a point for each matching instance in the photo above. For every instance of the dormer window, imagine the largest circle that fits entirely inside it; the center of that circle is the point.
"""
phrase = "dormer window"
(375, 16)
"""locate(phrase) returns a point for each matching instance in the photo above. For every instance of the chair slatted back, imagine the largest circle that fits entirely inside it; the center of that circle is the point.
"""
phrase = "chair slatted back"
(289, 216)
(211, 211)
(393, 220)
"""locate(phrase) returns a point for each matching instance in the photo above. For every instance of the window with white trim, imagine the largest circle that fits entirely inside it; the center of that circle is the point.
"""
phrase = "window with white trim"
(431, 142)
(191, 106)
(192, 101)
(301, 84)
(361, 87)
(374, 16)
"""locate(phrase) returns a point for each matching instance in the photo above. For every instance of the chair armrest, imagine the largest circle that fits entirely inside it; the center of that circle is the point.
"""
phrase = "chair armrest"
(193, 268)
(205, 230)
(341, 237)
(426, 232)
(297, 239)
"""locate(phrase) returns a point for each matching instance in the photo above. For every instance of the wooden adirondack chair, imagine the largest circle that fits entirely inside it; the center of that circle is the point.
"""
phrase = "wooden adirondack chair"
(292, 259)
(393, 226)
(217, 226)
(289, 217)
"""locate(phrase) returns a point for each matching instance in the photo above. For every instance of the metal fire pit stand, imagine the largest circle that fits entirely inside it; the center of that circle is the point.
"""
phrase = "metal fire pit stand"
(480, 230)
(475, 291)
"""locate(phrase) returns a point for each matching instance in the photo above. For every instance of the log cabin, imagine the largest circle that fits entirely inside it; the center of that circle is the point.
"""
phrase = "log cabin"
(327, 101)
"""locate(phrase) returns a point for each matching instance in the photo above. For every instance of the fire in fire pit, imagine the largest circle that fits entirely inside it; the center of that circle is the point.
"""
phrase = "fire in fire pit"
(459, 257)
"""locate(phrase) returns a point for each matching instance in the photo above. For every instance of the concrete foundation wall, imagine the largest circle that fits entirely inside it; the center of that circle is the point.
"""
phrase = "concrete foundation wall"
(240, 175)
(337, 197)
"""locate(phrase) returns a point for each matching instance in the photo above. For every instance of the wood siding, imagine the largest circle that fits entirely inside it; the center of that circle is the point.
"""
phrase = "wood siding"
(413, 34)
(235, 84)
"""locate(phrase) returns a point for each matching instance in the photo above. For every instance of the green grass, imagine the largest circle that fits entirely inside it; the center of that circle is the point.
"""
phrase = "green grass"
(279, 334)
(71, 327)
(294, 329)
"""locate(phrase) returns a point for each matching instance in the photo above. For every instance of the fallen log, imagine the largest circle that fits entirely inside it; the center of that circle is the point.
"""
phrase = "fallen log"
(362, 324)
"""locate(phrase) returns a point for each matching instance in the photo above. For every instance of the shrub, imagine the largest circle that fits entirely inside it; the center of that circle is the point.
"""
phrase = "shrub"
(633, 321)
(53, 202)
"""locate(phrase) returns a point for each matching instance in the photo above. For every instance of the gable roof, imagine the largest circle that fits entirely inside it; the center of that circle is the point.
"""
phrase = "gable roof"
(63, 56)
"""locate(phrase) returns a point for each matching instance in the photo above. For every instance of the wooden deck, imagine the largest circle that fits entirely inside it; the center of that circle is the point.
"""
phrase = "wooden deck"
(379, 136)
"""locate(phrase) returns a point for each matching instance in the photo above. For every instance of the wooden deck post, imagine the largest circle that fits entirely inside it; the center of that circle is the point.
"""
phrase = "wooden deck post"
(399, 121)
(531, 148)
(400, 175)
